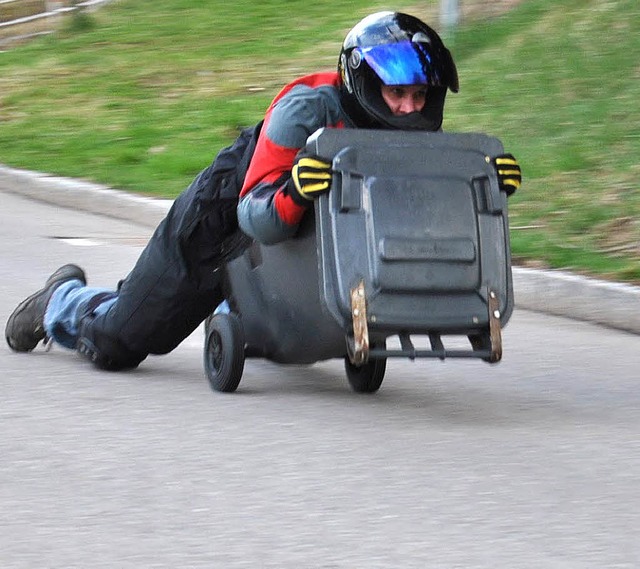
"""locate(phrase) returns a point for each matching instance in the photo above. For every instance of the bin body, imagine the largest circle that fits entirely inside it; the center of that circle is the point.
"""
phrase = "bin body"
(417, 217)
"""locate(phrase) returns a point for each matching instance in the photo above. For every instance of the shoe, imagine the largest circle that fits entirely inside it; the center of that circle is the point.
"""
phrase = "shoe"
(25, 327)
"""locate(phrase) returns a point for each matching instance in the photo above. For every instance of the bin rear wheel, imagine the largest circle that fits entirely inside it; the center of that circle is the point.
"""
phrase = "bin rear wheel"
(224, 352)
(368, 377)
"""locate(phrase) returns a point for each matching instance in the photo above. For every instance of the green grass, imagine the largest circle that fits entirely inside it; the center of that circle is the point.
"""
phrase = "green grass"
(141, 95)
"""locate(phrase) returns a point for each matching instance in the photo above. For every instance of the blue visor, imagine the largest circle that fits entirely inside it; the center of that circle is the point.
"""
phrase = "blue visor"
(402, 63)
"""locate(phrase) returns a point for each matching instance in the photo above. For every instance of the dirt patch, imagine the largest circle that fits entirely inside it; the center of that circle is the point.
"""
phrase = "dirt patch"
(468, 10)
(474, 9)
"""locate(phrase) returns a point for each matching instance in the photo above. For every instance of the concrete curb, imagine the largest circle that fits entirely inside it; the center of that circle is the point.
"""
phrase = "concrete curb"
(553, 292)
(84, 196)
(615, 305)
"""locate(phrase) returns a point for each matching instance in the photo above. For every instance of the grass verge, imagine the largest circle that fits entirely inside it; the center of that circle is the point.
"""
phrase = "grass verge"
(143, 94)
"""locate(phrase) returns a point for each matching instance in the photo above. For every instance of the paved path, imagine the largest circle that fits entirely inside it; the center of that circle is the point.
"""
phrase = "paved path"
(531, 463)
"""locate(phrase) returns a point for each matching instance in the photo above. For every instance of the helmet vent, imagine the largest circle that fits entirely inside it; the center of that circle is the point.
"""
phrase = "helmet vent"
(421, 37)
(355, 59)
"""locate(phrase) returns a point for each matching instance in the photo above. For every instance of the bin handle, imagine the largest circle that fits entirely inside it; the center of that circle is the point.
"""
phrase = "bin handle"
(350, 183)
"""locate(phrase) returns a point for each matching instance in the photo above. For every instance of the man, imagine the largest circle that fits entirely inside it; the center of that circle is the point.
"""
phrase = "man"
(393, 73)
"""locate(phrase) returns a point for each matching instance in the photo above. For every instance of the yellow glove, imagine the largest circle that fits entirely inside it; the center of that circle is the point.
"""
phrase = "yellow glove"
(310, 178)
(509, 173)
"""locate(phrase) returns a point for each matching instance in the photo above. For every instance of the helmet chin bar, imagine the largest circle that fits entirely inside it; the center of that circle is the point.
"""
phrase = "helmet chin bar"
(411, 121)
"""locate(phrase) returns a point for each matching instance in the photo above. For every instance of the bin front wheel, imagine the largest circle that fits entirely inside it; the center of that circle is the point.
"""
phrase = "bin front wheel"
(366, 378)
(224, 352)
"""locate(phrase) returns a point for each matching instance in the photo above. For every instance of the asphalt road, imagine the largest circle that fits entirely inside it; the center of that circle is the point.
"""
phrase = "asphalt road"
(533, 463)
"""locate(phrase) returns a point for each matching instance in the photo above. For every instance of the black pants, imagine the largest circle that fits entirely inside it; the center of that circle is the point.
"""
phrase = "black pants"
(177, 280)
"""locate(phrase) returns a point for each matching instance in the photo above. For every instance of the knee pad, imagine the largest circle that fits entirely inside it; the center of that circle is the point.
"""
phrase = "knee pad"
(103, 351)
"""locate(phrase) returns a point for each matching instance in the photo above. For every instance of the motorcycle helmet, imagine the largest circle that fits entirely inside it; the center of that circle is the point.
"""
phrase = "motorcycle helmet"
(393, 48)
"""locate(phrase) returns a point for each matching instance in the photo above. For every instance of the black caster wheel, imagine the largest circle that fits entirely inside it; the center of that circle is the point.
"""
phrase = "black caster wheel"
(224, 352)
(366, 378)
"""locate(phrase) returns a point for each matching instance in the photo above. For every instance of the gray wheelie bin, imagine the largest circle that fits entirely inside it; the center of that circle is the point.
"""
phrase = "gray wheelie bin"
(411, 243)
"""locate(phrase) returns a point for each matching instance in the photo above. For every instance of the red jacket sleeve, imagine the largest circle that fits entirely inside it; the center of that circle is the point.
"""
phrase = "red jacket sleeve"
(266, 211)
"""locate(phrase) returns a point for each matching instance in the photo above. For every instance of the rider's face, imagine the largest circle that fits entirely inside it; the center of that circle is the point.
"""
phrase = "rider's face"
(404, 99)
